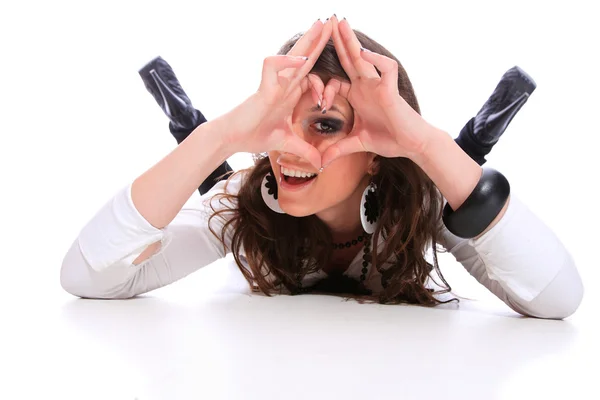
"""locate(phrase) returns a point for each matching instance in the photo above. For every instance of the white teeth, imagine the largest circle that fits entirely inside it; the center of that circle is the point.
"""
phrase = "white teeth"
(295, 173)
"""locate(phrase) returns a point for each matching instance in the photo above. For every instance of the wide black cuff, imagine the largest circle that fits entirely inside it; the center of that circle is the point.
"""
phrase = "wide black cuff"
(481, 207)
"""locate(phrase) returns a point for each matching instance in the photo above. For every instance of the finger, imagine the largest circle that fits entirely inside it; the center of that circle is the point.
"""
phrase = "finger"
(387, 66)
(345, 89)
(305, 43)
(273, 64)
(340, 49)
(334, 87)
(307, 40)
(352, 46)
(318, 87)
(348, 145)
(306, 84)
(293, 144)
(314, 54)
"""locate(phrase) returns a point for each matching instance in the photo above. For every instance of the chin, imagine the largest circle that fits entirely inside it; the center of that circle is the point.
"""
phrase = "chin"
(295, 209)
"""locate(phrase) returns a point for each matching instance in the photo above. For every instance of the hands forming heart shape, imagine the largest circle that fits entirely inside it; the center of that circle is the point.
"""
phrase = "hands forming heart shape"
(384, 123)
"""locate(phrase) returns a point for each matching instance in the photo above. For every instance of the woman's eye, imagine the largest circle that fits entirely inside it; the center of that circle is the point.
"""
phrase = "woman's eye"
(328, 126)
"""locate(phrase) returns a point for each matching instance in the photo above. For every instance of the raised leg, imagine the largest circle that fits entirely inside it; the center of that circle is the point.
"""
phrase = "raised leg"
(482, 132)
(160, 80)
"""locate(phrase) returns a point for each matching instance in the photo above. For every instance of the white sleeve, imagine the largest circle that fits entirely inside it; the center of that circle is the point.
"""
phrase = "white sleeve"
(99, 263)
(523, 263)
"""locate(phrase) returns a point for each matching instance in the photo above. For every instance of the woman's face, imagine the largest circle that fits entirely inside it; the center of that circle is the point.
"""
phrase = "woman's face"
(339, 181)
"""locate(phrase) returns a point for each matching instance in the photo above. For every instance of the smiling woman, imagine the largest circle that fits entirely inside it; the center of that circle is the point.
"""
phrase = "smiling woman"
(360, 226)
(323, 209)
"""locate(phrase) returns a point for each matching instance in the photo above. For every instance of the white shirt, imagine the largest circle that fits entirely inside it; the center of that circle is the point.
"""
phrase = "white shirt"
(520, 259)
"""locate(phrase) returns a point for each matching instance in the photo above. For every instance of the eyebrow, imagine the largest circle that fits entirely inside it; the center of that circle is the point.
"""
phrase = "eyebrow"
(332, 108)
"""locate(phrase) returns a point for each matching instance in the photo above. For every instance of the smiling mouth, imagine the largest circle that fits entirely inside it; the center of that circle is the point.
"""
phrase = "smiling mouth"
(295, 180)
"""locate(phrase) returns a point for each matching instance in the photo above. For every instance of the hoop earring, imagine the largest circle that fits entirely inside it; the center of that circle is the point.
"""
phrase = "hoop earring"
(269, 192)
(369, 209)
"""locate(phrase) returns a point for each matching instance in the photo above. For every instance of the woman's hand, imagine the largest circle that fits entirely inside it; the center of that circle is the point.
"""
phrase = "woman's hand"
(383, 122)
(264, 121)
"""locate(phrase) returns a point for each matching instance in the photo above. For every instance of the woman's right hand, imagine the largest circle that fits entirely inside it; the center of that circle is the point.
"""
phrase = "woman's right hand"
(264, 121)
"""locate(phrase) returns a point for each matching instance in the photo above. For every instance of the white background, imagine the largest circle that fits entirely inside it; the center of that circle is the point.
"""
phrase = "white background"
(77, 124)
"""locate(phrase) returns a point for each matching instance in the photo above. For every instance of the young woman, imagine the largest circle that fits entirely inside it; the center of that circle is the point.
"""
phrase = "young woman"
(350, 190)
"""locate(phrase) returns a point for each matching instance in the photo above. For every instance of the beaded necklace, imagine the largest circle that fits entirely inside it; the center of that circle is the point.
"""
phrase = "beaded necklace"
(349, 243)
(365, 264)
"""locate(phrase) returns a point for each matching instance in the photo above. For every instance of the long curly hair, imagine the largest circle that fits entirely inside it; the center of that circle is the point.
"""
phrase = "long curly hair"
(288, 248)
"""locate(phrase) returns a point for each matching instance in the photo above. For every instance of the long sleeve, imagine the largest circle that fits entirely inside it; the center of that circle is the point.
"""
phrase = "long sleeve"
(99, 263)
(523, 263)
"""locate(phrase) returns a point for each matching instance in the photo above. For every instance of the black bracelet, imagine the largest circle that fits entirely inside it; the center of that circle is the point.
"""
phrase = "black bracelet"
(480, 208)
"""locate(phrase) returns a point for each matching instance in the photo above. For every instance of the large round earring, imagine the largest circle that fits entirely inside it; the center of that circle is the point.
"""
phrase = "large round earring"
(269, 192)
(369, 209)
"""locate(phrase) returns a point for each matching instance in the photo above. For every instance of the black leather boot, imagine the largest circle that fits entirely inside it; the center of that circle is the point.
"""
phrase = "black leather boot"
(483, 131)
(160, 80)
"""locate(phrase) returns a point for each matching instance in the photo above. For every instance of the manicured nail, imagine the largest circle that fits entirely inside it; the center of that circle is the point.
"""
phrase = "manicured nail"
(327, 19)
(344, 17)
(319, 103)
(335, 15)
(363, 49)
(323, 110)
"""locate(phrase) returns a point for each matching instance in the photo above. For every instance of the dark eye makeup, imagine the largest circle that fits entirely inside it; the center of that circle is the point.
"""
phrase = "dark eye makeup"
(328, 126)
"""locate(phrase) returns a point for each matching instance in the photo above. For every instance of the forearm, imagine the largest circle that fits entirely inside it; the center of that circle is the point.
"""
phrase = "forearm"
(160, 192)
(523, 263)
(452, 170)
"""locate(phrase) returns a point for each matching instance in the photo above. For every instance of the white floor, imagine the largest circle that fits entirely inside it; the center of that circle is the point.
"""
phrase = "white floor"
(203, 338)
(77, 124)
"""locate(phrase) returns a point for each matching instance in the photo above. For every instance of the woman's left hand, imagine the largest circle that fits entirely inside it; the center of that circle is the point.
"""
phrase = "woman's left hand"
(384, 123)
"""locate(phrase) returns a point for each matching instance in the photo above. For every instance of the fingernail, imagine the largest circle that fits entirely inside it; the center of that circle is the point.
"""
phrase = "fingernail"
(335, 15)
(319, 103)
(321, 169)
(344, 17)
(323, 110)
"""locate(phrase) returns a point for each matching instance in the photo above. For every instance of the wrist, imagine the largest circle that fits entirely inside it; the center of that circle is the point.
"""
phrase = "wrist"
(238, 124)
(433, 138)
(211, 136)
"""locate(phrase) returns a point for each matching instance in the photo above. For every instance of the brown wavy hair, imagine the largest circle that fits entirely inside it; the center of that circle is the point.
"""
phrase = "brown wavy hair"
(288, 248)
